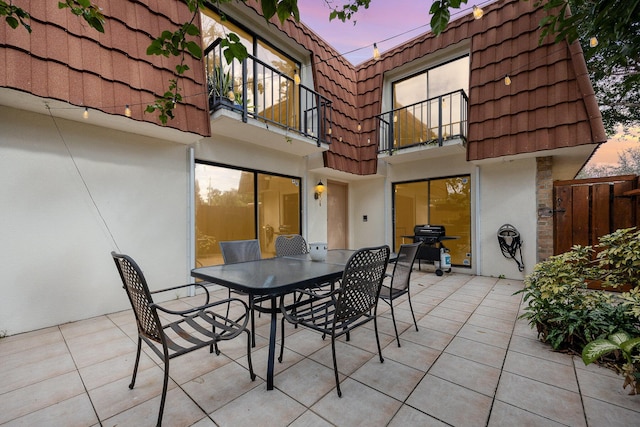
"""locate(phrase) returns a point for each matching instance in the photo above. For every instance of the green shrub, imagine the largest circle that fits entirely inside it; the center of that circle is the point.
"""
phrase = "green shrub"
(571, 317)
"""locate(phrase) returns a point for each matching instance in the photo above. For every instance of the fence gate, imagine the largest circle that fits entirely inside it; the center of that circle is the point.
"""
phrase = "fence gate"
(586, 209)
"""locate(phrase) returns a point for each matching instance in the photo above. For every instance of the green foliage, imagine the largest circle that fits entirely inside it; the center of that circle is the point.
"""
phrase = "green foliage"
(565, 313)
(14, 15)
(348, 10)
(621, 344)
(619, 258)
(89, 12)
(572, 318)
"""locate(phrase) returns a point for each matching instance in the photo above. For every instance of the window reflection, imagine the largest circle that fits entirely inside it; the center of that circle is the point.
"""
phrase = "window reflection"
(226, 209)
(419, 107)
(442, 201)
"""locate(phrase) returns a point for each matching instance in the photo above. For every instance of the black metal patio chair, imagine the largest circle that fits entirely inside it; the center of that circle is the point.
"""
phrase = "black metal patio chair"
(194, 328)
(235, 251)
(345, 308)
(400, 280)
(291, 244)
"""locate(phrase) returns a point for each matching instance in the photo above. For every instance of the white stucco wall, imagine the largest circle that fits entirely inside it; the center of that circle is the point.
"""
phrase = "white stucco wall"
(367, 197)
(60, 219)
(507, 196)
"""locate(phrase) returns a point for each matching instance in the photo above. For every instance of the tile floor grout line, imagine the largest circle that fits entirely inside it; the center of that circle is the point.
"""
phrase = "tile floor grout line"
(495, 393)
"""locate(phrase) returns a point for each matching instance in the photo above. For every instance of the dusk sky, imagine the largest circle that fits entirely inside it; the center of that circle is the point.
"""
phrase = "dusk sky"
(387, 23)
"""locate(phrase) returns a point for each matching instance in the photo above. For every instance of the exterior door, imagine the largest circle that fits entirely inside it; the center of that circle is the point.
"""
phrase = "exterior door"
(337, 215)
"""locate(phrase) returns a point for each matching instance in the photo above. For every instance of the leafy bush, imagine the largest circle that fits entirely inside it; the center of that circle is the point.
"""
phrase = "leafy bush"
(622, 344)
(571, 317)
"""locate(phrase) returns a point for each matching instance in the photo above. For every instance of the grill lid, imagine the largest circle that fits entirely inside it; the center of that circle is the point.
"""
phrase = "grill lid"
(429, 230)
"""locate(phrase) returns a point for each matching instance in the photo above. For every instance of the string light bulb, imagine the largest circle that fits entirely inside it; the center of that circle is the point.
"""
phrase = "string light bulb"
(296, 77)
(127, 111)
(376, 52)
(507, 80)
(478, 12)
(593, 41)
(329, 131)
(231, 95)
(359, 127)
(85, 113)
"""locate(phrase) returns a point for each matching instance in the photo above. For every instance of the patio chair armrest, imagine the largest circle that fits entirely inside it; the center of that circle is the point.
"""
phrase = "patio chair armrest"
(318, 292)
(173, 288)
(313, 298)
(200, 307)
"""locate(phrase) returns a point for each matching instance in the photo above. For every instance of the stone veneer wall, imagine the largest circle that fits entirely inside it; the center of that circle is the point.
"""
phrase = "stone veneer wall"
(544, 201)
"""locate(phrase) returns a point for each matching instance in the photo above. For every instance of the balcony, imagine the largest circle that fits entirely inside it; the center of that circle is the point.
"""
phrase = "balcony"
(268, 99)
(432, 128)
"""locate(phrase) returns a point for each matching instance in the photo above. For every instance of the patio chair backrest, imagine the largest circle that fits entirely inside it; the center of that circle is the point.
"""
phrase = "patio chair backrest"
(361, 282)
(403, 266)
(291, 244)
(235, 251)
(137, 290)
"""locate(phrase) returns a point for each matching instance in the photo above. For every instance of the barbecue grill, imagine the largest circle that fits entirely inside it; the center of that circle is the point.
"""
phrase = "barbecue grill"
(431, 237)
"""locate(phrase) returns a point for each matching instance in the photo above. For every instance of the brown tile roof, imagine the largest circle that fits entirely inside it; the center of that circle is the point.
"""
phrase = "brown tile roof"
(64, 59)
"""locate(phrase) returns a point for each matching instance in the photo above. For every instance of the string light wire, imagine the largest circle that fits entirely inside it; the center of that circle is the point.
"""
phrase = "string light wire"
(84, 182)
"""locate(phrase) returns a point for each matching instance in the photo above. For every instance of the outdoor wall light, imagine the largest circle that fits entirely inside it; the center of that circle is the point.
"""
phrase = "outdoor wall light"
(319, 189)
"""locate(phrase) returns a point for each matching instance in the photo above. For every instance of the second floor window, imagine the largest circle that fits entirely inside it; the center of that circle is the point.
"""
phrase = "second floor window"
(429, 103)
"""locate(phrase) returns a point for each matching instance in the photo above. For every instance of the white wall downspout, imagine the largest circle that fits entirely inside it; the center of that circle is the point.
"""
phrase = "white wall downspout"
(477, 254)
(191, 216)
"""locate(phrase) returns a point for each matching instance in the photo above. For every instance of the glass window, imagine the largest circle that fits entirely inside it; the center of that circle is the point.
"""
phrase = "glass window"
(234, 204)
(417, 104)
(269, 94)
(442, 201)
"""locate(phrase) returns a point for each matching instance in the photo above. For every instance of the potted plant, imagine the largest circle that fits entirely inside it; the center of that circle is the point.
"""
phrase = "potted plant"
(220, 86)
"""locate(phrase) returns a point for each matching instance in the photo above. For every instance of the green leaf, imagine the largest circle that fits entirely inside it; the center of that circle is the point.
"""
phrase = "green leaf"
(618, 337)
(629, 345)
(596, 349)
(440, 18)
(269, 8)
(13, 22)
(194, 50)
(192, 30)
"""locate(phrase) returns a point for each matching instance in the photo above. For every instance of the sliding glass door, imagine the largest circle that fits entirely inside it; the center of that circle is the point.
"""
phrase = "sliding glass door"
(236, 204)
(440, 201)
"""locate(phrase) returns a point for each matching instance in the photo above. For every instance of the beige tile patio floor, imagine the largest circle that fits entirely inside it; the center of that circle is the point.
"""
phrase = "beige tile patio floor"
(470, 364)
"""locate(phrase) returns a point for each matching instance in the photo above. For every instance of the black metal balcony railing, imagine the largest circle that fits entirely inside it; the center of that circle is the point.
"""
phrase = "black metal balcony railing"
(429, 122)
(257, 90)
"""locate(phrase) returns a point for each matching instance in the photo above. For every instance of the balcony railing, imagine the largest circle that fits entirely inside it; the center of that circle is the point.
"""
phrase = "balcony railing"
(429, 122)
(260, 91)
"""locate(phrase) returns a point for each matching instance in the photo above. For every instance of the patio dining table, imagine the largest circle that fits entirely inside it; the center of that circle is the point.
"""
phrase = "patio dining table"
(274, 277)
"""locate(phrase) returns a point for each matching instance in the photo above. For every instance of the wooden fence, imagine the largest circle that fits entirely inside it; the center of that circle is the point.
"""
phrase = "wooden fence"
(586, 209)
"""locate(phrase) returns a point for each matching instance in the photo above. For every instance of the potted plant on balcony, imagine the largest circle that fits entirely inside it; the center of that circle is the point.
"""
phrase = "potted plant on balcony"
(220, 86)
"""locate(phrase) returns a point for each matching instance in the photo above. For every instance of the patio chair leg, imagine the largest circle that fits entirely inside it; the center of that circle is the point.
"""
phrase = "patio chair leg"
(375, 328)
(165, 385)
(393, 317)
(412, 315)
(335, 365)
(135, 366)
